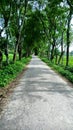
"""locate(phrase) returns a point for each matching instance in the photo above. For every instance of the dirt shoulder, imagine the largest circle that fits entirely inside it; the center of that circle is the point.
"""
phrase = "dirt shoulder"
(6, 91)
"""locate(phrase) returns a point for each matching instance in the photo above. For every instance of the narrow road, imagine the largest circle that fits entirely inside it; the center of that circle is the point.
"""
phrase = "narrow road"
(41, 101)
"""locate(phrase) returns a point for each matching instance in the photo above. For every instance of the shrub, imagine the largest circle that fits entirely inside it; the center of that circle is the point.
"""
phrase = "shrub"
(8, 73)
(65, 71)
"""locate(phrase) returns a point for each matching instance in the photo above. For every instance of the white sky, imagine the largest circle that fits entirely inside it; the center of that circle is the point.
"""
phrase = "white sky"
(71, 47)
(72, 23)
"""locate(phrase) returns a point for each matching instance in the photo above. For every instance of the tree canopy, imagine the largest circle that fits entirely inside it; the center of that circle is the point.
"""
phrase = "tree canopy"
(41, 27)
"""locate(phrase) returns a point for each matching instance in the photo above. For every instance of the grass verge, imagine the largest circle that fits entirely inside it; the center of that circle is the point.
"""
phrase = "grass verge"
(64, 71)
(10, 72)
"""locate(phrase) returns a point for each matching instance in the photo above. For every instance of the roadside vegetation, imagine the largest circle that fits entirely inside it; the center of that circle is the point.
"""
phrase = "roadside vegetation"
(12, 70)
(66, 71)
(42, 27)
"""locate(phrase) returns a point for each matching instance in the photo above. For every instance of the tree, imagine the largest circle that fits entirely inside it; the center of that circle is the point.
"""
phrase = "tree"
(33, 31)
(5, 11)
(70, 3)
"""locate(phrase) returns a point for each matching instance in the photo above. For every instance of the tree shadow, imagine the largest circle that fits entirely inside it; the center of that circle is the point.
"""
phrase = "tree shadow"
(39, 79)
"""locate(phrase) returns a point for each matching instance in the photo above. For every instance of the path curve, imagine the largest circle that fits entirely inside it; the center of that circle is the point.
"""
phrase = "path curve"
(41, 101)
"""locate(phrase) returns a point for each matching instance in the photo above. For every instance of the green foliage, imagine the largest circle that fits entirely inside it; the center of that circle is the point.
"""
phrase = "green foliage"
(34, 26)
(65, 71)
(33, 29)
(70, 61)
(8, 73)
(27, 25)
(10, 57)
(3, 43)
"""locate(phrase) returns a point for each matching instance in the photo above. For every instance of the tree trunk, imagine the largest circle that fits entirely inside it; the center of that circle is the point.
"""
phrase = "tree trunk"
(1, 55)
(1, 58)
(48, 51)
(20, 51)
(6, 48)
(18, 46)
(6, 54)
(52, 51)
(56, 59)
(60, 57)
(15, 51)
(68, 37)
(62, 52)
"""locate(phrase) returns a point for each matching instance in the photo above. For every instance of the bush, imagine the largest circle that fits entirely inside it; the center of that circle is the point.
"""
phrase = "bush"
(8, 73)
(65, 71)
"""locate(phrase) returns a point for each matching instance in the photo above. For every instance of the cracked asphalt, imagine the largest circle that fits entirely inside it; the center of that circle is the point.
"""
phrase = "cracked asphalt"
(42, 100)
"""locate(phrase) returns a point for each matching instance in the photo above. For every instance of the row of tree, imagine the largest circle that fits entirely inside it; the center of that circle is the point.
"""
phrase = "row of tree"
(39, 26)
(58, 29)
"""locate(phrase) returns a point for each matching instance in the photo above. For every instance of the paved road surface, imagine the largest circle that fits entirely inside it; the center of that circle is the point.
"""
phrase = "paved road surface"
(41, 101)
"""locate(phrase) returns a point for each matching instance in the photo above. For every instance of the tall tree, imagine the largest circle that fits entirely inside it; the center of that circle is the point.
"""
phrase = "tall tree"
(5, 10)
(70, 3)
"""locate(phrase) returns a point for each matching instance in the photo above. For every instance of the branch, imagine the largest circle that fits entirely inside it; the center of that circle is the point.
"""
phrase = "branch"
(69, 3)
(44, 27)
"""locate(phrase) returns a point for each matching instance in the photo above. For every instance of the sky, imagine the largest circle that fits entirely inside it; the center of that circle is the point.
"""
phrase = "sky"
(71, 47)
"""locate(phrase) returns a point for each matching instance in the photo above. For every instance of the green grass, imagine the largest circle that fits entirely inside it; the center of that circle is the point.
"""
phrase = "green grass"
(65, 71)
(10, 57)
(70, 61)
(8, 73)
